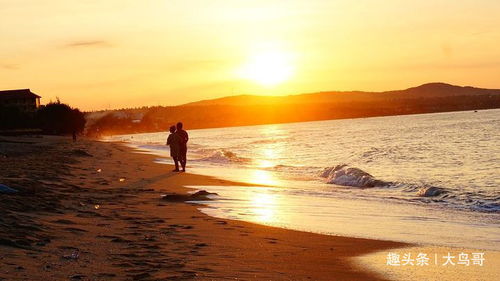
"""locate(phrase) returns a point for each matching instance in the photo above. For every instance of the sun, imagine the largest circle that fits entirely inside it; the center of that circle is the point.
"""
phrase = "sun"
(268, 68)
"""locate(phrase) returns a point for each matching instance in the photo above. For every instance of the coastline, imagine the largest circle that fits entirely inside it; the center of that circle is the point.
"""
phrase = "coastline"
(93, 212)
(102, 228)
(438, 192)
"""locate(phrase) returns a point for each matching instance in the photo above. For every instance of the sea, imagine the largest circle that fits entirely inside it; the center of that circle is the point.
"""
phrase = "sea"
(426, 179)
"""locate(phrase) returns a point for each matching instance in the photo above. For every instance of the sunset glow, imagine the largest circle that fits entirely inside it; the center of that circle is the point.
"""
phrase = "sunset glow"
(268, 68)
(126, 53)
(249, 140)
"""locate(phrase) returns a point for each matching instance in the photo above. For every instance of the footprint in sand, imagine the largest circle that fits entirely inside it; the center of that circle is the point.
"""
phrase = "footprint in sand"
(200, 245)
(63, 221)
(77, 277)
(105, 275)
(75, 230)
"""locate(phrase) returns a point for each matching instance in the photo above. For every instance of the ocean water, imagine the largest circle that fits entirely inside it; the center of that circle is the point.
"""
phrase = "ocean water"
(430, 178)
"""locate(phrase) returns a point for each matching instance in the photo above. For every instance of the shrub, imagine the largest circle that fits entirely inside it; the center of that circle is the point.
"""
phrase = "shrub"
(59, 118)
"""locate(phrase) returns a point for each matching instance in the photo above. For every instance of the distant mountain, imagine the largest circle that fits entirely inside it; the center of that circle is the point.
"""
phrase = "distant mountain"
(429, 90)
(254, 110)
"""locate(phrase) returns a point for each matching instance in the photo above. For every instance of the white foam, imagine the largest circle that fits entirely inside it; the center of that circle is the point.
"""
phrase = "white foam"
(349, 176)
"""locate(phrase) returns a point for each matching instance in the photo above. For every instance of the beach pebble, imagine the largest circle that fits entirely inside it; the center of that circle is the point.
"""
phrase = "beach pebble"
(430, 191)
(74, 256)
(199, 195)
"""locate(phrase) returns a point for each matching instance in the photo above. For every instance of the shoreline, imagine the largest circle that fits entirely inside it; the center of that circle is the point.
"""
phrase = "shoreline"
(427, 220)
(104, 228)
(93, 212)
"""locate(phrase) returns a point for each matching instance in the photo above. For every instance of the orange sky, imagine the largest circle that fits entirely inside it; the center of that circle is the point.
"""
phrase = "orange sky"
(126, 53)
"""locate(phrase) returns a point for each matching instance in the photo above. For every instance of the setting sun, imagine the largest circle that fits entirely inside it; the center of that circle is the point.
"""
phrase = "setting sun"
(268, 68)
(249, 140)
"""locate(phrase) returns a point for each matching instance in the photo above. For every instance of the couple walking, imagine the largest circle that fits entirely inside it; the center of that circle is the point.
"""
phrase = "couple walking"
(177, 140)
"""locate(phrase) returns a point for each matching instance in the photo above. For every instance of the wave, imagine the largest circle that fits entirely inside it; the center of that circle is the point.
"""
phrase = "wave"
(350, 176)
(271, 140)
(224, 156)
(344, 175)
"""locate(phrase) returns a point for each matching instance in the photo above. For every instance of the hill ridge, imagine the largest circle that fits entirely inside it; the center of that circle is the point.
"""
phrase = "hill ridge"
(435, 89)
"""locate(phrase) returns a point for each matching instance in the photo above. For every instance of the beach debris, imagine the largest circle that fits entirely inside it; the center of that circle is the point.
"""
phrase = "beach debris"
(201, 195)
(7, 190)
(97, 206)
(99, 170)
(122, 179)
(149, 238)
(430, 191)
(74, 255)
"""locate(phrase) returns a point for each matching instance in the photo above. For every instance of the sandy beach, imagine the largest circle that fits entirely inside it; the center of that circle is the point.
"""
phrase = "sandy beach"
(323, 140)
(93, 211)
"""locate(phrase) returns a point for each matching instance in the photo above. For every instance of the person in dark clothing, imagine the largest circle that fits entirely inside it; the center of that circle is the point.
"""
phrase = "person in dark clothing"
(184, 137)
(173, 141)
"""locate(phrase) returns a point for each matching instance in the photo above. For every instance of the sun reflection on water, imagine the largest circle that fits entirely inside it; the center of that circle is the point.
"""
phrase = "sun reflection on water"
(269, 153)
(264, 207)
(263, 178)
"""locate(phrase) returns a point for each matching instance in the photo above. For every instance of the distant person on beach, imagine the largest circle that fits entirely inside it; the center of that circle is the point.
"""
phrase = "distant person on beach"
(174, 142)
(183, 135)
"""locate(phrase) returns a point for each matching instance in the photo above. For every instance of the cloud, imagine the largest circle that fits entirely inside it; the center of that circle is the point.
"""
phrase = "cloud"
(88, 43)
(9, 66)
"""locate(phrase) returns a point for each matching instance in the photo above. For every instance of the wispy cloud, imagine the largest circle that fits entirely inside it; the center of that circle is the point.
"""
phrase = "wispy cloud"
(88, 43)
(9, 66)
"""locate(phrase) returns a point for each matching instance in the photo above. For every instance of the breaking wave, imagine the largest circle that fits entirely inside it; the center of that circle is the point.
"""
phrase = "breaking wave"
(350, 176)
(224, 156)
(344, 175)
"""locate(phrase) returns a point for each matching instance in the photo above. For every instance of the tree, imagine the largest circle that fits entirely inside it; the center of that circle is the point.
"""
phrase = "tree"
(12, 118)
(59, 118)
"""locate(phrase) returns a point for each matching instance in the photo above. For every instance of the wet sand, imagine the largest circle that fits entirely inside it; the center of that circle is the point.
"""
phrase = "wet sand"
(93, 211)
(437, 267)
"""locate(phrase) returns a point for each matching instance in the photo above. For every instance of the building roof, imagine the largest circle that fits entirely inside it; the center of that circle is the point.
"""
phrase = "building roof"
(18, 94)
